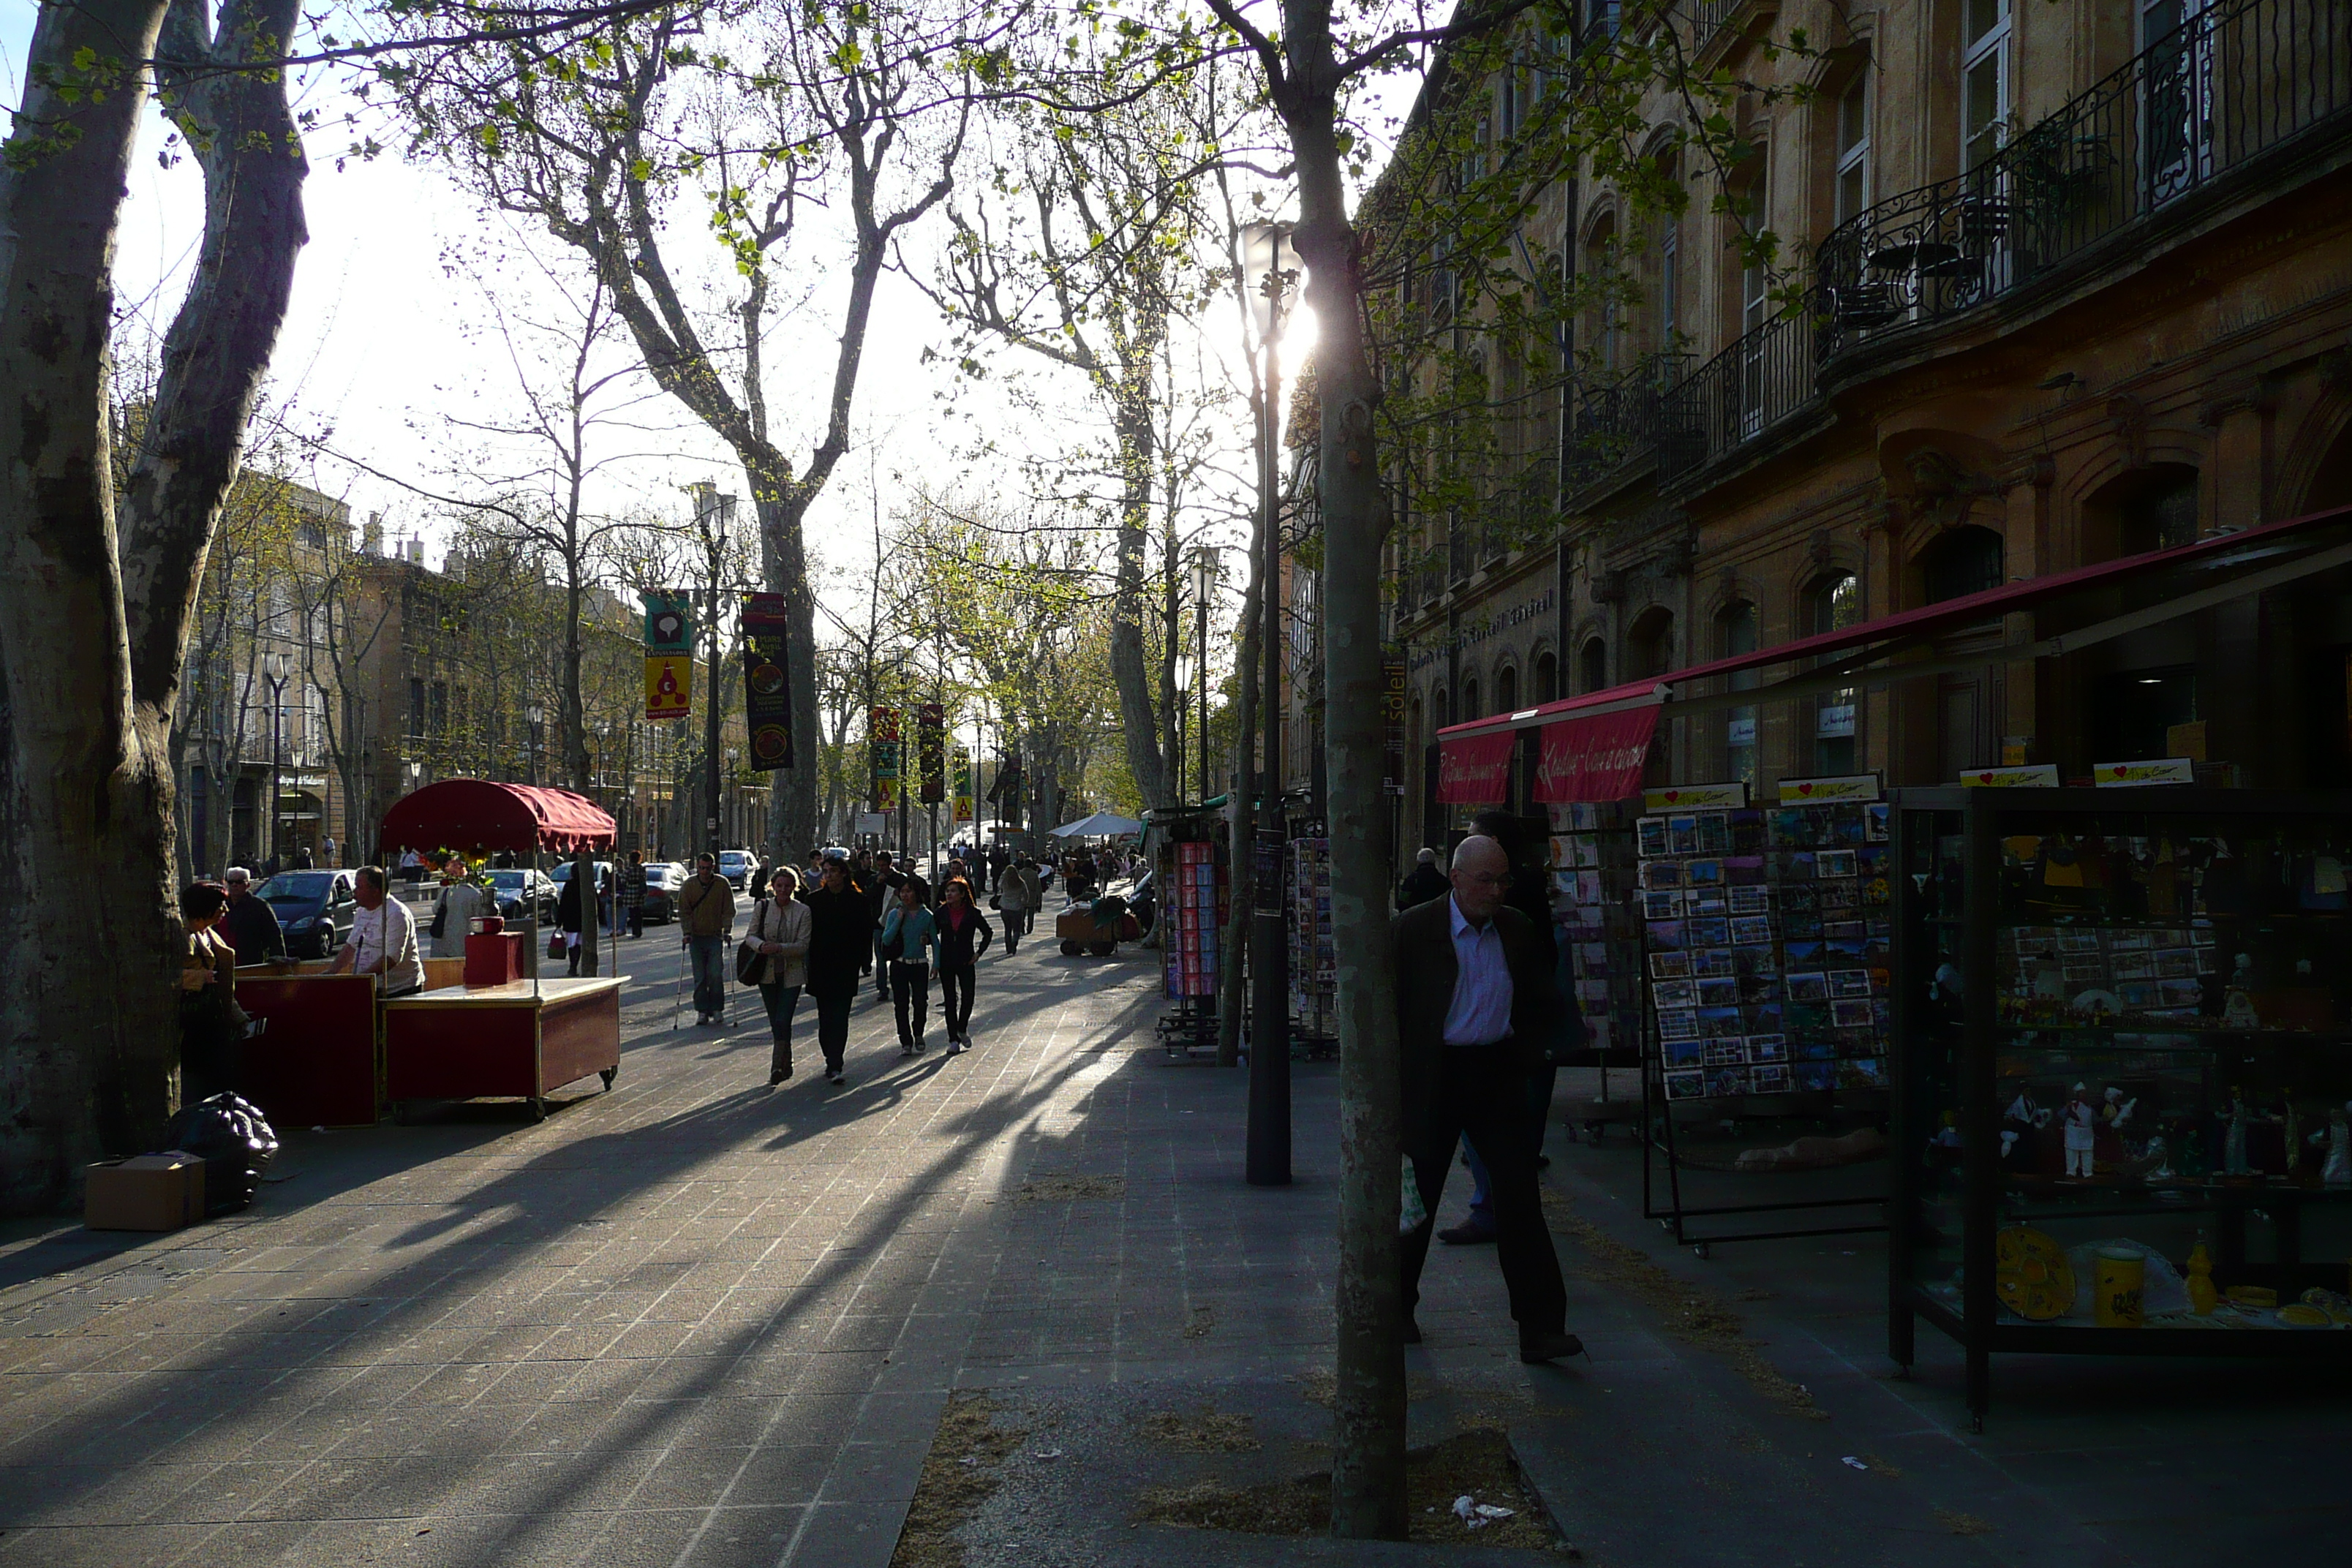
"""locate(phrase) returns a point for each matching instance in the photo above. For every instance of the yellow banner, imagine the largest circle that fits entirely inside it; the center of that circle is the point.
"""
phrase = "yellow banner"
(2041, 775)
(2130, 775)
(1813, 792)
(1696, 797)
(669, 685)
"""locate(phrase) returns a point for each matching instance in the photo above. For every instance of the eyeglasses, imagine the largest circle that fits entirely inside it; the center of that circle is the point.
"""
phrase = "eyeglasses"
(1491, 879)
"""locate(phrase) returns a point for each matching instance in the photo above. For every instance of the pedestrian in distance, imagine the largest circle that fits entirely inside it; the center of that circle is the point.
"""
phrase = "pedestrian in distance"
(212, 1026)
(707, 915)
(757, 882)
(998, 859)
(249, 924)
(780, 925)
(1423, 883)
(840, 942)
(1017, 898)
(964, 934)
(453, 908)
(633, 892)
(1475, 1003)
(327, 853)
(882, 891)
(910, 941)
(383, 937)
(567, 920)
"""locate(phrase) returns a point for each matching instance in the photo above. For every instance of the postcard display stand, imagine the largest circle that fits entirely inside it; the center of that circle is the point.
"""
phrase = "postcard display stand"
(1193, 914)
(2121, 1119)
(1765, 936)
(1593, 911)
(1314, 961)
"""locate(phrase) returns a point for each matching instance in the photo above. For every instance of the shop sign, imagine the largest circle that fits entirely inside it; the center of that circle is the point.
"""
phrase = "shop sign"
(1741, 730)
(1393, 679)
(1835, 724)
(962, 765)
(1813, 792)
(1475, 770)
(1696, 797)
(2136, 775)
(2041, 775)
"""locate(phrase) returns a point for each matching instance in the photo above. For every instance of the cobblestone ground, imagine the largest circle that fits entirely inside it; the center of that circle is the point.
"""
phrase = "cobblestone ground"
(690, 1321)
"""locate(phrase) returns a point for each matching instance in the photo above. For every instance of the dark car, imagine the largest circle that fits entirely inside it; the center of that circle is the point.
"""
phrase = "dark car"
(736, 866)
(506, 885)
(662, 880)
(313, 907)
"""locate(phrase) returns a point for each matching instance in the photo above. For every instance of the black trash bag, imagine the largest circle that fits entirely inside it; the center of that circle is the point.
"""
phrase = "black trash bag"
(235, 1142)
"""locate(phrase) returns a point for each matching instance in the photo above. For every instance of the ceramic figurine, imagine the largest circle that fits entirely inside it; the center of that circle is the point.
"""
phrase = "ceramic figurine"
(2238, 1002)
(2234, 1140)
(2082, 1124)
(2202, 1296)
(2337, 1171)
(2160, 1160)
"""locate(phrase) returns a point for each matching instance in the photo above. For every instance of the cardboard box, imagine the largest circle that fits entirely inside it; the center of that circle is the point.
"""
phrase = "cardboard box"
(153, 1192)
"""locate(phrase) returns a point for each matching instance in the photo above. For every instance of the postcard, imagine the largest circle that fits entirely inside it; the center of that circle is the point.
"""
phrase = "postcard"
(1711, 931)
(1714, 833)
(1851, 1015)
(1650, 836)
(1658, 874)
(1767, 1080)
(1720, 1023)
(1674, 1053)
(1670, 966)
(1703, 872)
(2175, 963)
(1768, 1047)
(1686, 1085)
(1669, 994)
(1667, 934)
(1811, 986)
(1680, 1024)
(1722, 993)
(1726, 1053)
(1713, 964)
(1661, 905)
(1722, 1083)
(1833, 863)
(1755, 900)
(1682, 835)
(1750, 930)
(1849, 982)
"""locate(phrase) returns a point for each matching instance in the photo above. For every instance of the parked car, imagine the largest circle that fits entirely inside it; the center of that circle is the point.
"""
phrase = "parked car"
(662, 880)
(313, 907)
(736, 866)
(561, 872)
(508, 886)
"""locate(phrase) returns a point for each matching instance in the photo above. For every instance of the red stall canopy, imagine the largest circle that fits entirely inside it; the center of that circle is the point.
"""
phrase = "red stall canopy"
(1475, 770)
(1599, 758)
(476, 814)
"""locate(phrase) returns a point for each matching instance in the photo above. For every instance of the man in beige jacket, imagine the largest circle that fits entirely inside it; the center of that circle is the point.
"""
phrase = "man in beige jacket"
(706, 913)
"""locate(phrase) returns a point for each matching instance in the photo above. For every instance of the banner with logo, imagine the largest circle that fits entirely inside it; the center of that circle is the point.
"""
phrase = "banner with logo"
(767, 684)
(931, 750)
(1393, 686)
(1476, 769)
(882, 755)
(669, 654)
(1597, 759)
(962, 765)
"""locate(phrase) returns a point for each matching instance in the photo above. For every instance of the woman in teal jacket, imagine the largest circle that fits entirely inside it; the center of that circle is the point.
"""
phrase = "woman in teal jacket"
(910, 940)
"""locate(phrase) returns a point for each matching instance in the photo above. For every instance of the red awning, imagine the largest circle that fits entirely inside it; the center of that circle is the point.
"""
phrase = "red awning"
(2251, 548)
(476, 814)
(1596, 758)
(1475, 770)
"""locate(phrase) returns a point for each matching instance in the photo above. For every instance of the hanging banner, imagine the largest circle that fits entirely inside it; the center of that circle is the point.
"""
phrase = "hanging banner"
(670, 621)
(1817, 792)
(962, 768)
(2039, 775)
(1696, 797)
(931, 750)
(882, 755)
(669, 685)
(1476, 769)
(1393, 679)
(1596, 759)
(767, 686)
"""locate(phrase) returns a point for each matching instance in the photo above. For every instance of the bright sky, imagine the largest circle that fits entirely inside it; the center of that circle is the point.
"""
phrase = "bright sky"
(385, 340)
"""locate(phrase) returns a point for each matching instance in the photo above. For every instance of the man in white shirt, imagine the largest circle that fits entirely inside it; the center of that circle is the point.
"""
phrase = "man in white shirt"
(383, 937)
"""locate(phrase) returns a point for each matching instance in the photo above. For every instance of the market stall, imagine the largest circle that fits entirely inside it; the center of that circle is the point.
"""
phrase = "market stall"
(520, 1037)
(2122, 1081)
(314, 1058)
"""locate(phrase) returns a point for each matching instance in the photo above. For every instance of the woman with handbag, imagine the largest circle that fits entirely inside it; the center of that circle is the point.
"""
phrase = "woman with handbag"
(212, 1026)
(910, 937)
(964, 936)
(454, 911)
(775, 959)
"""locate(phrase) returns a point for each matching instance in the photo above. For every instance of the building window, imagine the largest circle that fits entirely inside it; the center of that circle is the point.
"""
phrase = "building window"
(1600, 19)
(2163, 514)
(1547, 678)
(1650, 646)
(1755, 277)
(1670, 243)
(1854, 146)
(1835, 605)
(1735, 631)
(1506, 689)
(1470, 709)
(416, 708)
(440, 709)
(1984, 79)
(1593, 661)
(1963, 562)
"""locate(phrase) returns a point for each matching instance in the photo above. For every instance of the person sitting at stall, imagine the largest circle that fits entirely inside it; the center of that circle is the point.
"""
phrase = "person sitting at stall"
(383, 937)
(454, 911)
(212, 1026)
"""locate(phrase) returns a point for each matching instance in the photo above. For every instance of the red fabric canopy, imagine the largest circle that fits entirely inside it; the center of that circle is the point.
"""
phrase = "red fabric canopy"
(1599, 758)
(476, 814)
(1475, 770)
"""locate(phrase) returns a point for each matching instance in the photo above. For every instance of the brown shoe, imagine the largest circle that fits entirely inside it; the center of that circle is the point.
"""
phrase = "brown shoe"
(1548, 1345)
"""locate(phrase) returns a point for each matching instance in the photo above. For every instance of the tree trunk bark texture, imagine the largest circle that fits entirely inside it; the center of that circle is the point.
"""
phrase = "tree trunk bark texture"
(1137, 724)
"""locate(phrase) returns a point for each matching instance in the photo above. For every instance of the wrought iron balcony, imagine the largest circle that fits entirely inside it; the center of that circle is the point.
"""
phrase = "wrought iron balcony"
(1618, 421)
(1765, 376)
(2238, 79)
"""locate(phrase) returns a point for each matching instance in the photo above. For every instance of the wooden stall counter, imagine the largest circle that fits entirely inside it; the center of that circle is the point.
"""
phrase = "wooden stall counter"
(312, 1061)
(507, 1041)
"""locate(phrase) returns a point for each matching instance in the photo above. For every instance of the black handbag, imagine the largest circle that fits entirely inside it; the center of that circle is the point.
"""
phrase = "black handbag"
(749, 962)
(891, 946)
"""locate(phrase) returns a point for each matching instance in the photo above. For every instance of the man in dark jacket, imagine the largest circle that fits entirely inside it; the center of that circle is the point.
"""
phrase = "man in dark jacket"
(841, 938)
(1476, 1004)
(250, 924)
(1423, 883)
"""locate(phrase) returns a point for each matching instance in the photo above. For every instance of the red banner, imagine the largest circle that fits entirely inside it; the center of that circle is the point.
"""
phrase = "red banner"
(1596, 759)
(1476, 769)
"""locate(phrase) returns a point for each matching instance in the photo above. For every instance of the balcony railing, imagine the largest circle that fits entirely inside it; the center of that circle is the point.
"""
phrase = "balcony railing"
(1619, 421)
(2238, 79)
(1762, 378)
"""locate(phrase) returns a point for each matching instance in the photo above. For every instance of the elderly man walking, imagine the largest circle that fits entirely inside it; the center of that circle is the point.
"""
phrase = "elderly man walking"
(707, 910)
(1475, 1003)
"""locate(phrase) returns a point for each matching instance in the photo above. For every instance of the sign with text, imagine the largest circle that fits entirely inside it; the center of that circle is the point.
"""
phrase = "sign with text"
(767, 687)
(669, 685)
(1392, 679)
(2041, 775)
(2138, 775)
(1814, 791)
(962, 769)
(1599, 758)
(1696, 797)
(882, 755)
(1476, 769)
(931, 750)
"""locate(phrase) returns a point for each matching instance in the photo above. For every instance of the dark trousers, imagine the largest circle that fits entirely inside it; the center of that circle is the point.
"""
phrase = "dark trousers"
(709, 955)
(637, 920)
(1482, 1090)
(1016, 926)
(782, 1001)
(955, 996)
(911, 987)
(1541, 1084)
(833, 1022)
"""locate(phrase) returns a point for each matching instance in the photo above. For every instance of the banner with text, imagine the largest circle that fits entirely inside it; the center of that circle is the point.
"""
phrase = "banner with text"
(1596, 759)
(1392, 681)
(962, 785)
(767, 683)
(882, 755)
(669, 654)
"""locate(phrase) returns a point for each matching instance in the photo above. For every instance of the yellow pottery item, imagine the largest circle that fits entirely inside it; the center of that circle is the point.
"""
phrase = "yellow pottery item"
(2031, 1274)
(2117, 1286)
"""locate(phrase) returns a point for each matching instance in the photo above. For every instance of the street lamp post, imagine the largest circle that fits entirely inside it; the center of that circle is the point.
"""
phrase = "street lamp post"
(275, 675)
(1204, 583)
(716, 514)
(1185, 674)
(1269, 276)
(536, 715)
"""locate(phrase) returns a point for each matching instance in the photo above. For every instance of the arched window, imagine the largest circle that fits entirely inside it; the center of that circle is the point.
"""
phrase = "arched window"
(1964, 561)
(1854, 146)
(1592, 665)
(1470, 709)
(1547, 677)
(1437, 711)
(1649, 645)
(1506, 689)
(1735, 633)
(1834, 603)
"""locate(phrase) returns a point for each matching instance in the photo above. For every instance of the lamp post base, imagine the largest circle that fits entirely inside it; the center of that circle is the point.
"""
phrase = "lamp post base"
(1268, 1160)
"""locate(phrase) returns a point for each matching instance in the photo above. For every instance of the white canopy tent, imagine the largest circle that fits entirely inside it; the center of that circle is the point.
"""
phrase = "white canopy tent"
(1101, 824)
